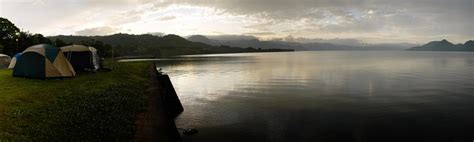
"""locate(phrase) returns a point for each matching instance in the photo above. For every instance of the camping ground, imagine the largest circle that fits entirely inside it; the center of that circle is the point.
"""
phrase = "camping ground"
(89, 106)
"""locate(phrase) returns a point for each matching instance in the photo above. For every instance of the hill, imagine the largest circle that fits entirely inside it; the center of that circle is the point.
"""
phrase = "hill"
(202, 39)
(249, 41)
(469, 44)
(147, 44)
(444, 45)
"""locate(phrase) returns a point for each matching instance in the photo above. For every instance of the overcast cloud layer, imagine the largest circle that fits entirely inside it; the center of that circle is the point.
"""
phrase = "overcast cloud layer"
(415, 21)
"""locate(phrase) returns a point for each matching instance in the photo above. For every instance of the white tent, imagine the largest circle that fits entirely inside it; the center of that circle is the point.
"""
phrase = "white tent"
(82, 57)
(4, 61)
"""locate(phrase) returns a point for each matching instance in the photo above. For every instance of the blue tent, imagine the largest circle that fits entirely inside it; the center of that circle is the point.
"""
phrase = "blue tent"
(13, 61)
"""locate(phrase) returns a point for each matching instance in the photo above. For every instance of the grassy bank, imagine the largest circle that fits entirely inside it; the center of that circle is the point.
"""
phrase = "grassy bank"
(88, 107)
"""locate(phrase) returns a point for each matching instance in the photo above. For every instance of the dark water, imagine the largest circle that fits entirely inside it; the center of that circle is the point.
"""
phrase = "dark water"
(326, 96)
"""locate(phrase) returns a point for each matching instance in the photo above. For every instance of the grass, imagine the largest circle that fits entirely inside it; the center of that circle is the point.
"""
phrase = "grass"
(91, 106)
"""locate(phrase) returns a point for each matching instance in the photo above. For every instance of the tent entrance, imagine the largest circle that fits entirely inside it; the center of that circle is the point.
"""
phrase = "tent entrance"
(80, 61)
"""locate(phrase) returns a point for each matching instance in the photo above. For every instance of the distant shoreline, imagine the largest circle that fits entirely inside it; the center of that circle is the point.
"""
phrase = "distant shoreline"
(151, 57)
(445, 45)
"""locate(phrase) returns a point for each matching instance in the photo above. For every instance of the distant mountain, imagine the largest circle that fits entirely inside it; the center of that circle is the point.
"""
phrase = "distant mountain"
(444, 45)
(147, 44)
(249, 41)
(240, 41)
(330, 46)
(469, 44)
(230, 37)
(202, 39)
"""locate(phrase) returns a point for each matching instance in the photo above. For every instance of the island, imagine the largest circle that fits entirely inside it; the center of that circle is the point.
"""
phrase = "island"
(444, 45)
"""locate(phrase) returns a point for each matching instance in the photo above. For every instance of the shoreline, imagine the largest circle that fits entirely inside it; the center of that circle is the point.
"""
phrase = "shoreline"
(158, 122)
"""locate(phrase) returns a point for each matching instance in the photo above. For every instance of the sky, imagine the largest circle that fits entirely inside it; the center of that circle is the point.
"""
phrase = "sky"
(369, 21)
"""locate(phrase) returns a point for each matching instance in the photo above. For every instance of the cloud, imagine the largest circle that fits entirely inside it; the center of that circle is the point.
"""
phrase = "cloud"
(167, 18)
(98, 31)
(264, 6)
(352, 17)
(125, 17)
(156, 33)
(368, 20)
(260, 33)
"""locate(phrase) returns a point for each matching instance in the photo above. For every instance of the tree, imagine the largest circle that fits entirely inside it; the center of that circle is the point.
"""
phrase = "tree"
(13, 40)
(39, 39)
(60, 43)
(8, 30)
(8, 35)
(26, 40)
(104, 49)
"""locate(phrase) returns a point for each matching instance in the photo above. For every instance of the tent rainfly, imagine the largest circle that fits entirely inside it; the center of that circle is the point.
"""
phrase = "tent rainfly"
(82, 58)
(4, 61)
(13, 61)
(43, 61)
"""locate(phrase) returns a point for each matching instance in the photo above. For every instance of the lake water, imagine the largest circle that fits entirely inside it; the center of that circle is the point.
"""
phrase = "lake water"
(326, 96)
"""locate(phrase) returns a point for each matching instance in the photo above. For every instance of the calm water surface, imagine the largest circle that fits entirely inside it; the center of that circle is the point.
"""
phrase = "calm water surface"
(326, 96)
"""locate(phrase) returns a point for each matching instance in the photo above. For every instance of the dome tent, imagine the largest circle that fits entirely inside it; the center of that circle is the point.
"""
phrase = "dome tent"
(82, 58)
(4, 61)
(13, 61)
(43, 61)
